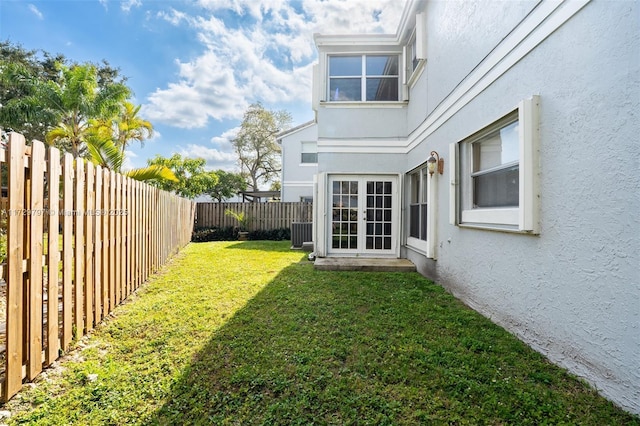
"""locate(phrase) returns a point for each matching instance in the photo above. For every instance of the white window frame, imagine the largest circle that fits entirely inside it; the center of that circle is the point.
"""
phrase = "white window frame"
(363, 77)
(423, 199)
(523, 218)
(416, 50)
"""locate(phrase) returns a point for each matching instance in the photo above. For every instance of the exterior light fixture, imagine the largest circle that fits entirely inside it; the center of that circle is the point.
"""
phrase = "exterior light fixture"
(435, 162)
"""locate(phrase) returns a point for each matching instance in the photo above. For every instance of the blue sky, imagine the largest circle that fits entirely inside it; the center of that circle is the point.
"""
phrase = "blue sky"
(195, 65)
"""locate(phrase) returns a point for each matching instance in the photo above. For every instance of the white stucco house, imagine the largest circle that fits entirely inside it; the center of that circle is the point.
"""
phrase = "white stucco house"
(299, 150)
(529, 113)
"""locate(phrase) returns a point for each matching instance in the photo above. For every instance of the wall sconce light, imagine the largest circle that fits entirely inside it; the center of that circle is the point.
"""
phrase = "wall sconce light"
(435, 162)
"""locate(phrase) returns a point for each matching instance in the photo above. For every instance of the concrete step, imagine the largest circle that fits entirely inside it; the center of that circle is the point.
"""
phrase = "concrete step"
(363, 264)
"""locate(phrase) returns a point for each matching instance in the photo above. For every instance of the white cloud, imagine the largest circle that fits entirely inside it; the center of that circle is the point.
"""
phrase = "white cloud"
(36, 11)
(174, 17)
(215, 158)
(126, 5)
(206, 89)
(267, 58)
(127, 164)
(224, 140)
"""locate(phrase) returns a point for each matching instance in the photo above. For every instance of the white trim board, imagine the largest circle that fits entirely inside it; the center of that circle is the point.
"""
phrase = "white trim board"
(307, 184)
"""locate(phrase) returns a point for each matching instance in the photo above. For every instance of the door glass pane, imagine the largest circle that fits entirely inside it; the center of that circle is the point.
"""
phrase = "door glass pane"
(344, 217)
(379, 209)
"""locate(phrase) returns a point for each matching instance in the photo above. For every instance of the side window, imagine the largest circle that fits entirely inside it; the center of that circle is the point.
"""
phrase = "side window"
(309, 153)
(416, 50)
(418, 203)
(495, 178)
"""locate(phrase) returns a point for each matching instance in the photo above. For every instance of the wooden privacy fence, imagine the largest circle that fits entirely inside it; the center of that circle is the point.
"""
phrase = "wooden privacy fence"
(80, 240)
(261, 216)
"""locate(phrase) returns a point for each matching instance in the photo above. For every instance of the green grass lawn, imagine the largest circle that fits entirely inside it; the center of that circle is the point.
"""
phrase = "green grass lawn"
(250, 333)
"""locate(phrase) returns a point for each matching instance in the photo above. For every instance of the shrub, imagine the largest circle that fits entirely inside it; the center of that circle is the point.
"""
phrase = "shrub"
(279, 234)
(216, 233)
(230, 233)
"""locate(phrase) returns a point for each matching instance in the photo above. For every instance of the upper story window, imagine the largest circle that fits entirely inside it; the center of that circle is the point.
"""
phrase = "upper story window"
(309, 153)
(363, 78)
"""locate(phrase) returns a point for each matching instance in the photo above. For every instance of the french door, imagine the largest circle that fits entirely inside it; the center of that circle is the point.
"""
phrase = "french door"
(363, 215)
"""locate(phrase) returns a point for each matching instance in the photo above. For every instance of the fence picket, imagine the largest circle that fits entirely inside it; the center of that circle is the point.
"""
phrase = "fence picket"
(67, 253)
(97, 250)
(106, 246)
(53, 256)
(15, 282)
(35, 231)
(88, 253)
(78, 220)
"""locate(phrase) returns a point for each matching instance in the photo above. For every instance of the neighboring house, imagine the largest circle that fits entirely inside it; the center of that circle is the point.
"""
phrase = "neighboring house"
(535, 221)
(299, 162)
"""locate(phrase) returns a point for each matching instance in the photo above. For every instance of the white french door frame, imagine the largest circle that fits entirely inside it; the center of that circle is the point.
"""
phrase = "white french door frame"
(363, 218)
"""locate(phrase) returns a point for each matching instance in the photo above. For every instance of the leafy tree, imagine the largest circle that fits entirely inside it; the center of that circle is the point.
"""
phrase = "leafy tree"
(19, 69)
(192, 179)
(228, 185)
(256, 146)
(23, 74)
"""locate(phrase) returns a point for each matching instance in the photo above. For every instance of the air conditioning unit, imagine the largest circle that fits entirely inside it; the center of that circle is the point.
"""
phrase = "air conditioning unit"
(301, 233)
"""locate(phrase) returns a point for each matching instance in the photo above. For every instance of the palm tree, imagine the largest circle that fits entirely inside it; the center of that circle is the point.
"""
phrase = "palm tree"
(126, 126)
(131, 127)
(75, 100)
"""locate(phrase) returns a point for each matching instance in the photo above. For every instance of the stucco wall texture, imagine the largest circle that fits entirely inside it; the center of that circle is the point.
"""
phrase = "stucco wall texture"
(573, 291)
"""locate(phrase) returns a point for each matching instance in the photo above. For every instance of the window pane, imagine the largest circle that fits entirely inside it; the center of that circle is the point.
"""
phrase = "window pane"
(497, 189)
(425, 185)
(382, 89)
(345, 65)
(345, 89)
(382, 65)
(414, 221)
(309, 157)
(414, 55)
(423, 222)
(497, 148)
(415, 187)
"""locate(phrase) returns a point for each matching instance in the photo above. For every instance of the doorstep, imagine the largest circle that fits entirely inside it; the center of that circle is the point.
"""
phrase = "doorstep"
(363, 264)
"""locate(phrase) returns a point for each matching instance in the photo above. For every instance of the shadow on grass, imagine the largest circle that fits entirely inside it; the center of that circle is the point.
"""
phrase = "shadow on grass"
(371, 348)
